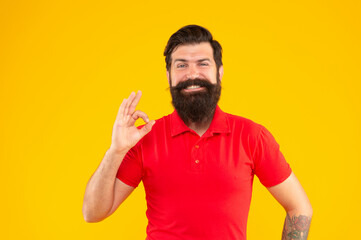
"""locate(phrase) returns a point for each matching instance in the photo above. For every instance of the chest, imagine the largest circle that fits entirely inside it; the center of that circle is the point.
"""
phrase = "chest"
(205, 166)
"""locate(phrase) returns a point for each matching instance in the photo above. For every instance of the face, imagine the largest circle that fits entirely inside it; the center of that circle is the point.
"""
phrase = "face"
(195, 82)
(193, 61)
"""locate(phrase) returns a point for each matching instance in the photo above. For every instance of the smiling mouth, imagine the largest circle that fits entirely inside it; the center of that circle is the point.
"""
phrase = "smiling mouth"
(193, 88)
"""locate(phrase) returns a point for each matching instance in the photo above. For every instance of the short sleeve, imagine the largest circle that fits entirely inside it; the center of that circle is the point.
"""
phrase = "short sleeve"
(130, 170)
(270, 165)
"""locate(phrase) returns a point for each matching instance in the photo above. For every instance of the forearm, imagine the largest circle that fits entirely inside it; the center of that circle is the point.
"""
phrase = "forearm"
(296, 226)
(99, 192)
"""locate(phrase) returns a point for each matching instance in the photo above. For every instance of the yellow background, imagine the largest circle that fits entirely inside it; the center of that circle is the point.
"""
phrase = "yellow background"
(65, 66)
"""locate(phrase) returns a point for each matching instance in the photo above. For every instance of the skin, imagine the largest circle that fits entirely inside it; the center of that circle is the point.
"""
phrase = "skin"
(294, 200)
(104, 192)
(191, 62)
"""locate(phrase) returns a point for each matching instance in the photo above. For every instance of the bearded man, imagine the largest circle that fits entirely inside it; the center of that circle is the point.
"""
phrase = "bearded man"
(198, 163)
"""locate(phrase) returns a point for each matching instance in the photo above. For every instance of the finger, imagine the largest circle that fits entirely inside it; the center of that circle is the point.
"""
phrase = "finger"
(129, 100)
(146, 128)
(128, 121)
(139, 114)
(135, 102)
(121, 110)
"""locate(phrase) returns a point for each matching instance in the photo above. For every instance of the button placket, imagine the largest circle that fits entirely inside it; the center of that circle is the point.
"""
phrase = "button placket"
(196, 161)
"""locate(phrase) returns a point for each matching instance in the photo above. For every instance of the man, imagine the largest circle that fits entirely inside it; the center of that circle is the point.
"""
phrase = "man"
(197, 164)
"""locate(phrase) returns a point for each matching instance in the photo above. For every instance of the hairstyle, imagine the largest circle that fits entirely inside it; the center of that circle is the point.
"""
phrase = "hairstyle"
(192, 34)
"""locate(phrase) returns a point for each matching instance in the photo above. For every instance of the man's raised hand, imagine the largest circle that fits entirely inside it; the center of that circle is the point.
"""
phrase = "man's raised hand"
(125, 134)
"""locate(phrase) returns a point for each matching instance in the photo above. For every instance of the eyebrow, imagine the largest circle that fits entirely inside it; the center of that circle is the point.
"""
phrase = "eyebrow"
(184, 60)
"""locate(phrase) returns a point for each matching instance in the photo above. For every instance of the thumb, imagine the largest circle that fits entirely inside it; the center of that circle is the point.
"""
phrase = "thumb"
(146, 128)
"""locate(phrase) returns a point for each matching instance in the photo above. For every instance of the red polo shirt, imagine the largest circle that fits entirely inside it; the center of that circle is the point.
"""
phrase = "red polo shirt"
(201, 187)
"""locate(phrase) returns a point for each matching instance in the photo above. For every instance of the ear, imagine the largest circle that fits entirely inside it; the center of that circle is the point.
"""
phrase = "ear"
(220, 73)
(168, 77)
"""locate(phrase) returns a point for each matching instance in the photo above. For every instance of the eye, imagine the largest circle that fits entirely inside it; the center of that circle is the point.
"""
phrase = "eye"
(182, 65)
(204, 64)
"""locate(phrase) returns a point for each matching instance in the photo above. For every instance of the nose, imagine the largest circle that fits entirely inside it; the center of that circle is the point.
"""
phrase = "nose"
(193, 72)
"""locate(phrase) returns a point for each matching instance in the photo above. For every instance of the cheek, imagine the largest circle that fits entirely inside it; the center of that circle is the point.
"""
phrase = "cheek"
(211, 76)
(176, 78)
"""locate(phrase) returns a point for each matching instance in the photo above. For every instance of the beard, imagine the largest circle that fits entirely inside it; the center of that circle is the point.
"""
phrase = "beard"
(196, 107)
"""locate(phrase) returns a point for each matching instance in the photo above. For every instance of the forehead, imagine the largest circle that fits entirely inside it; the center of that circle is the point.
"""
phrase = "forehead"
(193, 51)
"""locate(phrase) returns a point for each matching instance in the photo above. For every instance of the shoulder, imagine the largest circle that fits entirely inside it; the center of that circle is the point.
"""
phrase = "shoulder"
(245, 125)
(252, 131)
(161, 123)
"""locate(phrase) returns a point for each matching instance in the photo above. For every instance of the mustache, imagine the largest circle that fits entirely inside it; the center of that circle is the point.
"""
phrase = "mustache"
(202, 83)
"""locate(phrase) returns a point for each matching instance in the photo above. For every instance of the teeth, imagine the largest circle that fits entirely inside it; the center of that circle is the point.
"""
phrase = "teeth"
(193, 87)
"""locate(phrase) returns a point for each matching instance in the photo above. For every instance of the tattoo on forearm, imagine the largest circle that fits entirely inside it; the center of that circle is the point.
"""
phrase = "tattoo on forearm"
(296, 227)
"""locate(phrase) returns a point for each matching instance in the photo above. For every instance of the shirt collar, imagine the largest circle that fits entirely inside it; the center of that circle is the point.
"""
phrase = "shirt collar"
(219, 123)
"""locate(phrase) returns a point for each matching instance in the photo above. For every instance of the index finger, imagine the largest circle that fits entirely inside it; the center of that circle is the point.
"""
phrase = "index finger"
(135, 102)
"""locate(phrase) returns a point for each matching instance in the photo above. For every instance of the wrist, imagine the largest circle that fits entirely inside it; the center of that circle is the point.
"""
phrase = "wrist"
(117, 151)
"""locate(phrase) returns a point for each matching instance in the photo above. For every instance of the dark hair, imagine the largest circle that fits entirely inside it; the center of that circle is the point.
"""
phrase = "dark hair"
(192, 34)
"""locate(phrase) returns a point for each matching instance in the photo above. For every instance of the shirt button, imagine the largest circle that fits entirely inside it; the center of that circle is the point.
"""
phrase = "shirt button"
(197, 161)
(196, 146)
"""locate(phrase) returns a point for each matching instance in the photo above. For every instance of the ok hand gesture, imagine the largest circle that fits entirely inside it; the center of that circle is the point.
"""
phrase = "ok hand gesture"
(125, 135)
